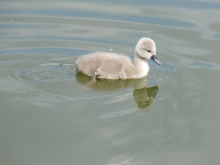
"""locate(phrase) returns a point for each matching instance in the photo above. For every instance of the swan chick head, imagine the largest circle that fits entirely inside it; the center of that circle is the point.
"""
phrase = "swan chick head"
(146, 48)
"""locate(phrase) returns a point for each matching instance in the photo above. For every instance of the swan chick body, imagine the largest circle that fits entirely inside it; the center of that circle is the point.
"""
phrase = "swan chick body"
(115, 66)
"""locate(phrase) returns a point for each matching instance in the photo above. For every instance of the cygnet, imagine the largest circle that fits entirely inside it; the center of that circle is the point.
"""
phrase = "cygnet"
(116, 66)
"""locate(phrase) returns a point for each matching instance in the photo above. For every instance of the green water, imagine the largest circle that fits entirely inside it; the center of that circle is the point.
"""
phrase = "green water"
(49, 114)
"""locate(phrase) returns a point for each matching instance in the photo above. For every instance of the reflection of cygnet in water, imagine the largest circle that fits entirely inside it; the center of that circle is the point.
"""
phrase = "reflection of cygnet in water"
(143, 96)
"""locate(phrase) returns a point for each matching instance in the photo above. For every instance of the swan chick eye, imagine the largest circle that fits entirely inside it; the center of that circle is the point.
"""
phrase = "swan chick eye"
(147, 50)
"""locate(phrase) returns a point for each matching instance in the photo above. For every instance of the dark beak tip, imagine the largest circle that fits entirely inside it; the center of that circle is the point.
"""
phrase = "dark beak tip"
(156, 60)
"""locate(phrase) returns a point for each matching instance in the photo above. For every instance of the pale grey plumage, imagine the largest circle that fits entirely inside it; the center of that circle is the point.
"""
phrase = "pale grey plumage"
(116, 66)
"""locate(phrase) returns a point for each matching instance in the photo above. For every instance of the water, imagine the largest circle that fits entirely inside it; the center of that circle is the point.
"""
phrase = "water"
(51, 115)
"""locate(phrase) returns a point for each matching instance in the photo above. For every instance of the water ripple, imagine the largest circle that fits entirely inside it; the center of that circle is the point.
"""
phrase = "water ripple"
(96, 15)
(29, 70)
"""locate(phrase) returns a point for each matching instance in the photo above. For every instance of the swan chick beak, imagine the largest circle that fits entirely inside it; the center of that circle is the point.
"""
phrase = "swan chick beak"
(155, 59)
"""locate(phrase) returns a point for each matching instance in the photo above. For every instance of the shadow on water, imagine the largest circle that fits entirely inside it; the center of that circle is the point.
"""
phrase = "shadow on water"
(143, 96)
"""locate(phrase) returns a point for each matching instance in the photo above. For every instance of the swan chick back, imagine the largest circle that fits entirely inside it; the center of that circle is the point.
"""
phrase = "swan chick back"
(105, 65)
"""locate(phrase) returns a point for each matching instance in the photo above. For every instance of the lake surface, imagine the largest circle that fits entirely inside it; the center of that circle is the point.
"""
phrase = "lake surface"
(52, 115)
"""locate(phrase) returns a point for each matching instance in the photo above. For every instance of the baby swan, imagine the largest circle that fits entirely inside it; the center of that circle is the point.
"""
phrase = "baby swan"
(115, 66)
